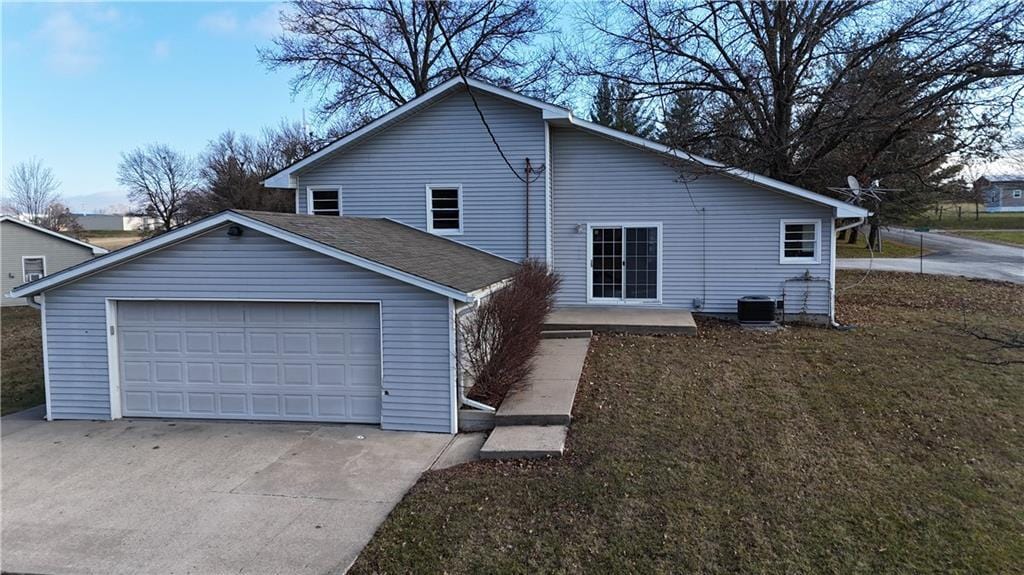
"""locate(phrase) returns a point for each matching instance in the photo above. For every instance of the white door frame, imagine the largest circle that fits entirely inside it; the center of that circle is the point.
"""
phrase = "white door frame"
(590, 263)
(114, 361)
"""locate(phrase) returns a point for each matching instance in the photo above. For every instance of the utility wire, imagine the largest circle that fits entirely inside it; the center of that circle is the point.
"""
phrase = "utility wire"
(462, 74)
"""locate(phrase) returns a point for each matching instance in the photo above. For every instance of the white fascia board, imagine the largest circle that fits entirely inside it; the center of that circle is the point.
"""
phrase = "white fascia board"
(844, 209)
(183, 233)
(96, 250)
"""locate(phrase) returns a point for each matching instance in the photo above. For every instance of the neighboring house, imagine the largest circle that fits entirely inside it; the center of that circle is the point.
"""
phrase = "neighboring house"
(114, 222)
(29, 252)
(316, 317)
(1002, 193)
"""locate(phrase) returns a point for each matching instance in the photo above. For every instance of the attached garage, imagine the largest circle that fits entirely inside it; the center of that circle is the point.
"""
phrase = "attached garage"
(250, 360)
(260, 316)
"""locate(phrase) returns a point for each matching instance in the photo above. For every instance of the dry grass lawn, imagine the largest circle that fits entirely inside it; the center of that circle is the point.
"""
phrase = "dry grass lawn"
(21, 359)
(878, 450)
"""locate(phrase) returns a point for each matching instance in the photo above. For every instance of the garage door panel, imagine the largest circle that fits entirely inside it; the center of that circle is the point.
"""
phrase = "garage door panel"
(285, 361)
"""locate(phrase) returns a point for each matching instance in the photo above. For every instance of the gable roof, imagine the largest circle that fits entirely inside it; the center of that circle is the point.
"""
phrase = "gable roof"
(380, 245)
(556, 114)
(396, 245)
(96, 250)
(286, 177)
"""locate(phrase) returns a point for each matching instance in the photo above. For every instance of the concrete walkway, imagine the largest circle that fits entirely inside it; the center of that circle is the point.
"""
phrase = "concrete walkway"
(533, 419)
(150, 496)
(953, 255)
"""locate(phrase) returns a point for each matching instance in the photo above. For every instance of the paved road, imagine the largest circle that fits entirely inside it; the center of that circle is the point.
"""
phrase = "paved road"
(953, 255)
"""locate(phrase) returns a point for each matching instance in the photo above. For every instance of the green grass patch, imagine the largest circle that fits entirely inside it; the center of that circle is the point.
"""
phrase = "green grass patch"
(21, 359)
(111, 233)
(890, 249)
(1005, 236)
(968, 220)
(878, 450)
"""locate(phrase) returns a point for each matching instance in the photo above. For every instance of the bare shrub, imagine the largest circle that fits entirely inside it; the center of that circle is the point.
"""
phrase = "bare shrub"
(501, 338)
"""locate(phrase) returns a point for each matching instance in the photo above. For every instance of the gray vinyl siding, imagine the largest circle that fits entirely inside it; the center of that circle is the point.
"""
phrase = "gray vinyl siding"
(597, 180)
(415, 329)
(386, 174)
(17, 241)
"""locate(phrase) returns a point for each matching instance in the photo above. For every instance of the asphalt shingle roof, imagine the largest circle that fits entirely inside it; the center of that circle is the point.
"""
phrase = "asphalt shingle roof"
(397, 246)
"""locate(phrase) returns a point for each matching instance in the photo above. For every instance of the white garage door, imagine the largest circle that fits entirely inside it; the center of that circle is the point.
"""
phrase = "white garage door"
(250, 360)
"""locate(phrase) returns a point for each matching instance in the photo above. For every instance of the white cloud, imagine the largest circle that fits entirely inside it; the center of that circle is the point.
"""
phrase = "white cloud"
(73, 47)
(265, 23)
(224, 22)
(268, 22)
(161, 49)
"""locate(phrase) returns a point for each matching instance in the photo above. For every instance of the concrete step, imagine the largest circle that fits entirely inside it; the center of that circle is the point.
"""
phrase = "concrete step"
(546, 396)
(567, 334)
(525, 442)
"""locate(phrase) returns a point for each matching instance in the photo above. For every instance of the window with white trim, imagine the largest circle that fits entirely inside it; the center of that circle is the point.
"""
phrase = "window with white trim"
(32, 268)
(323, 201)
(800, 241)
(1017, 194)
(444, 209)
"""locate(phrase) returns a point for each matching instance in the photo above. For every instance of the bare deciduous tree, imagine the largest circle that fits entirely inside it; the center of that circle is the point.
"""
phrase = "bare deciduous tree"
(368, 56)
(31, 190)
(234, 166)
(777, 79)
(58, 217)
(159, 181)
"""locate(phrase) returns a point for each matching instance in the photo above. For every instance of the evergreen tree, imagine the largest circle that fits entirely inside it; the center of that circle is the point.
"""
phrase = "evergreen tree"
(630, 116)
(681, 125)
(603, 109)
(616, 106)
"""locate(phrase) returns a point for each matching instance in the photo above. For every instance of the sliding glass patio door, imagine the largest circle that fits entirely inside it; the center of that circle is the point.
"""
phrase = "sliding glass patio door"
(624, 262)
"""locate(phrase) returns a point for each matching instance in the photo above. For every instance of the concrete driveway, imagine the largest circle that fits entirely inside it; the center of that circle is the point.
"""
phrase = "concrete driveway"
(147, 496)
(953, 255)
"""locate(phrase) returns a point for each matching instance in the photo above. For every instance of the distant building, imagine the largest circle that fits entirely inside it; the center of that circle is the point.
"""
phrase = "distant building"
(1002, 193)
(118, 222)
(29, 252)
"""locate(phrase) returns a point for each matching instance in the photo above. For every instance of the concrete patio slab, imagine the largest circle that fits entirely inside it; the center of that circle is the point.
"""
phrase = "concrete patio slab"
(547, 395)
(623, 319)
(150, 496)
(525, 442)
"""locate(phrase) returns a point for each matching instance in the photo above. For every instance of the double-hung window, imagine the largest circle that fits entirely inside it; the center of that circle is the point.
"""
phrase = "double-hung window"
(1017, 194)
(800, 241)
(323, 201)
(444, 209)
(32, 268)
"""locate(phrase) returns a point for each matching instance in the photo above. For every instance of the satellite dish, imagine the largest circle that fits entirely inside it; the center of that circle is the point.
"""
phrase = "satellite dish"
(853, 183)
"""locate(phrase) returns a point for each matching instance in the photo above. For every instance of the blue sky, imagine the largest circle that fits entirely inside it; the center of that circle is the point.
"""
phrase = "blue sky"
(84, 82)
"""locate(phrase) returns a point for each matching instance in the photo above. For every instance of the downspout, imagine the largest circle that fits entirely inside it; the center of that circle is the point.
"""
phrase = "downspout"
(474, 404)
(463, 400)
(859, 221)
(527, 203)
(32, 302)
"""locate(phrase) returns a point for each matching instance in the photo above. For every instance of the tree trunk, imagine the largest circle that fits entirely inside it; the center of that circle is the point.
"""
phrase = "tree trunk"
(875, 237)
(841, 236)
(959, 212)
(977, 211)
(853, 236)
